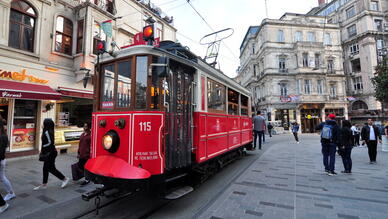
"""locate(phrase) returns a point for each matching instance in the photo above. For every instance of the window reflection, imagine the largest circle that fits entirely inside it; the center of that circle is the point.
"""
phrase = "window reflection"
(124, 84)
(141, 82)
(216, 96)
(108, 87)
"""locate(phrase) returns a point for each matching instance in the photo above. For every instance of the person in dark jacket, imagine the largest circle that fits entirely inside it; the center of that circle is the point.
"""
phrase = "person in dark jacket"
(370, 135)
(4, 143)
(270, 127)
(329, 146)
(84, 149)
(345, 149)
(49, 147)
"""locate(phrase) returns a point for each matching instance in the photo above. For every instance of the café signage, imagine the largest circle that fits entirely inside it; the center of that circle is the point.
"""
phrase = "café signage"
(21, 76)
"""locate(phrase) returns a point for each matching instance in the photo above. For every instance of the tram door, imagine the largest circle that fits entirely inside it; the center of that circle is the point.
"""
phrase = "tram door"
(179, 117)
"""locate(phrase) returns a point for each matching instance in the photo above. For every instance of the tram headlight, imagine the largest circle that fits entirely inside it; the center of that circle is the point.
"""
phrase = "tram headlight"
(111, 141)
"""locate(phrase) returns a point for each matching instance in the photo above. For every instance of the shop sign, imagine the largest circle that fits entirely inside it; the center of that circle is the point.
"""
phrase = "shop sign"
(21, 76)
(7, 94)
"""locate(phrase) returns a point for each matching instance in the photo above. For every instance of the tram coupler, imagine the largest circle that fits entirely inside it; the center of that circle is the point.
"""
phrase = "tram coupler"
(95, 193)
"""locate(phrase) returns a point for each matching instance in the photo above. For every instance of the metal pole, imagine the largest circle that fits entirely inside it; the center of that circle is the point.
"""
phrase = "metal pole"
(266, 8)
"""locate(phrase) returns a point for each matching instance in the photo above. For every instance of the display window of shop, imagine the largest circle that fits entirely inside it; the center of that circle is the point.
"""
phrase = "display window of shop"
(73, 112)
(71, 115)
(24, 125)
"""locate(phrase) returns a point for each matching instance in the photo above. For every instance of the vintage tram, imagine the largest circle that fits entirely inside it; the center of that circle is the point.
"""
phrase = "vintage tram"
(162, 114)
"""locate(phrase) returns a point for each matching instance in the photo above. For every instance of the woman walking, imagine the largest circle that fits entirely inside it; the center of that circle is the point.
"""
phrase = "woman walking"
(346, 146)
(295, 129)
(4, 143)
(48, 147)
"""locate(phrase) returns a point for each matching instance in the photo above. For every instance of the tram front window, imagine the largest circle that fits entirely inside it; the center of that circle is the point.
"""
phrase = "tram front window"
(123, 98)
(141, 82)
(108, 87)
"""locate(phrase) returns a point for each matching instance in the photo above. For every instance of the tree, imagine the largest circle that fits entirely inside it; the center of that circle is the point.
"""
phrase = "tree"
(381, 81)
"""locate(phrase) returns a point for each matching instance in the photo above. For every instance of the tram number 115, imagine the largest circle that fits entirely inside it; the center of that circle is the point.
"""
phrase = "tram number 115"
(145, 126)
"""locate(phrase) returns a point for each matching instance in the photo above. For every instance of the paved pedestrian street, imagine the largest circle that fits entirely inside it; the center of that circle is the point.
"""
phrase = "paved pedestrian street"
(288, 181)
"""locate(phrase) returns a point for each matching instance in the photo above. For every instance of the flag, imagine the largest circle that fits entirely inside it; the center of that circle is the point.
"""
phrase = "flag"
(351, 98)
(106, 26)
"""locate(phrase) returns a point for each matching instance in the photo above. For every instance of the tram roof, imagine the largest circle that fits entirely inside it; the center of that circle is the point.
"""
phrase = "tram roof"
(191, 60)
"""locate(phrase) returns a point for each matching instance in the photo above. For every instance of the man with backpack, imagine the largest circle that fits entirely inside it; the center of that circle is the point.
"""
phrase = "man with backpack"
(330, 138)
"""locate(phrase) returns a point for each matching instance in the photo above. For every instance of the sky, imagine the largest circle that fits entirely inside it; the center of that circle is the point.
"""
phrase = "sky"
(221, 14)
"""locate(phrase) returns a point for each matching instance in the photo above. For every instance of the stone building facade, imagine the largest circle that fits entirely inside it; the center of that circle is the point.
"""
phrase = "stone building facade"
(293, 66)
(364, 36)
(46, 47)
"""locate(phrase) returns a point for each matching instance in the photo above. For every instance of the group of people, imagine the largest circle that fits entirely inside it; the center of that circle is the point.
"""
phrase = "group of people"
(48, 155)
(334, 137)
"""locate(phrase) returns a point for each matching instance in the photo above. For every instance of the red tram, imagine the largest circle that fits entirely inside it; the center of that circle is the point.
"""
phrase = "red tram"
(162, 114)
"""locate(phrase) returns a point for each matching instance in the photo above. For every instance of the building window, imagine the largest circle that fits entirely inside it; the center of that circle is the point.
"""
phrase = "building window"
(63, 35)
(280, 36)
(305, 60)
(357, 83)
(352, 31)
(282, 64)
(379, 25)
(379, 44)
(307, 86)
(359, 105)
(327, 39)
(354, 49)
(298, 36)
(311, 37)
(350, 12)
(356, 65)
(374, 5)
(317, 60)
(283, 89)
(333, 91)
(22, 26)
(320, 86)
(159, 31)
(330, 66)
(80, 36)
(216, 96)
(298, 86)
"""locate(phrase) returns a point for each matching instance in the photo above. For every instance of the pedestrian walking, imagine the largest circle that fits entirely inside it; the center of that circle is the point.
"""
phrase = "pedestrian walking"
(345, 148)
(50, 153)
(84, 149)
(356, 135)
(4, 143)
(3, 205)
(270, 127)
(258, 129)
(295, 130)
(370, 136)
(330, 136)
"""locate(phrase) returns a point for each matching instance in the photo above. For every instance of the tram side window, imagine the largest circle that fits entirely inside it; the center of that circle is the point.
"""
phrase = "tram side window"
(124, 82)
(244, 105)
(141, 82)
(216, 96)
(108, 87)
(232, 102)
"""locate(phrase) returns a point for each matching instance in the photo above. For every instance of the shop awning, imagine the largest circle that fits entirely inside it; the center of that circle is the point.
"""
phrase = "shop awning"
(18, 90)
(65, 91)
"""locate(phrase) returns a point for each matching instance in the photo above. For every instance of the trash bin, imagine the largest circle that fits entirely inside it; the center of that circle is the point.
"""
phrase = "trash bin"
(385, 143)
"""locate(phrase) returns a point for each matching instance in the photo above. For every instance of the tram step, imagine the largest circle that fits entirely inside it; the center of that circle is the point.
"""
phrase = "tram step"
(179, 192)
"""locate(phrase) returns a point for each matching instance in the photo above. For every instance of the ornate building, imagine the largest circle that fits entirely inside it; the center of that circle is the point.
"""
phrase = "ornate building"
(293, 66)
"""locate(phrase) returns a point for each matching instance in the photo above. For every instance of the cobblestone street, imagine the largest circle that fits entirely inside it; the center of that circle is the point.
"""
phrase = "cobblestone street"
(288, 181)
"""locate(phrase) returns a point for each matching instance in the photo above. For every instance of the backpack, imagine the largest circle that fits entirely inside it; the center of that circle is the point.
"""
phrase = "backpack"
(327, 132)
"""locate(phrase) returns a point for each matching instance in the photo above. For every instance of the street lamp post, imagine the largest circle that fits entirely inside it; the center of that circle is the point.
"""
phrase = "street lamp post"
(86, 77)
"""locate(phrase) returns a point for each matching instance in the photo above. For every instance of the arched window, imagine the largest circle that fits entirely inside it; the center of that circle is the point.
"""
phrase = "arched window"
(22, 26)
(359, 105)
(63, 35)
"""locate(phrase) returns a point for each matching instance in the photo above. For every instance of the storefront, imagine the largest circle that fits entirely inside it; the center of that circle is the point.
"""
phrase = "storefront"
(20, 105)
